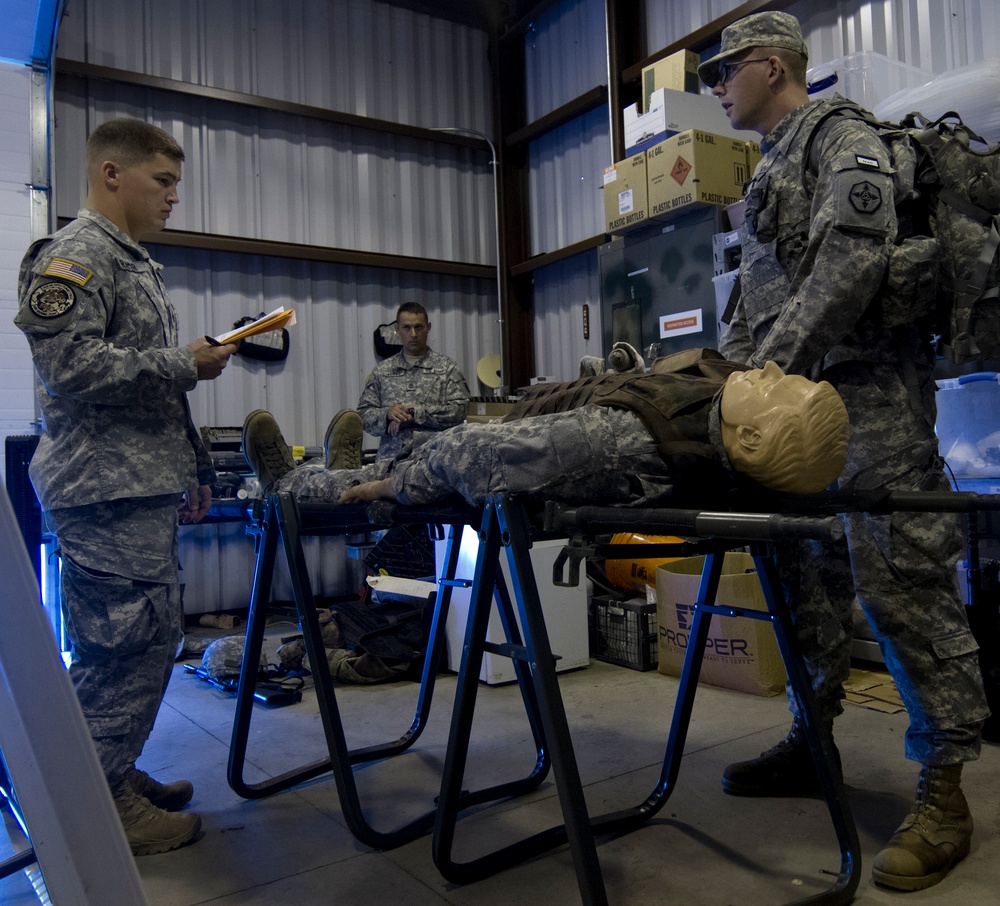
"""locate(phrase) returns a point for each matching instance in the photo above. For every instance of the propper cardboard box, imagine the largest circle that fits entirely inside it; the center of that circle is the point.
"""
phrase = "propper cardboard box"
(695, 167)
(678, 72)
(741, 653)
(625, 194)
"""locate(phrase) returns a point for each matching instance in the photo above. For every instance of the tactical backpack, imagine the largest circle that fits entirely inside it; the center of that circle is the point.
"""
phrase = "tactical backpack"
(943, 267)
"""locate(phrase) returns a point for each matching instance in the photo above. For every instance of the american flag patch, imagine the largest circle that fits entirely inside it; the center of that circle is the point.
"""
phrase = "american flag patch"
(68, 270)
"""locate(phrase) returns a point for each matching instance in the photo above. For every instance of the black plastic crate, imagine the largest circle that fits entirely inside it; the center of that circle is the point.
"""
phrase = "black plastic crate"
(623, 631)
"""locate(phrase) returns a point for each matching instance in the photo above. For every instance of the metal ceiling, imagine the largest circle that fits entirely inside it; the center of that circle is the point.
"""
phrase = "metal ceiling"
(30, 25)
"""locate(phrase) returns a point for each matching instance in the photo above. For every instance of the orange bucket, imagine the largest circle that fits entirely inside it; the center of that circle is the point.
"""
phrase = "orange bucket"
(636, 575)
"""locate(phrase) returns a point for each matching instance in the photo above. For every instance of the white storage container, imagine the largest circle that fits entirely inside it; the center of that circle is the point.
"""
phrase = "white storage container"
(564, 609)
(865, 77)
(968, 429)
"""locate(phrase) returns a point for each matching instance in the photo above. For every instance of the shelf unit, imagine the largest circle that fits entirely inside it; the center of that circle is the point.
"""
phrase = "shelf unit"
(627, 56)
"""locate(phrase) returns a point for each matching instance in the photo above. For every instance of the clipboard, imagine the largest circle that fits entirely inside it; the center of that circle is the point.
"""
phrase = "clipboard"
(276, 320)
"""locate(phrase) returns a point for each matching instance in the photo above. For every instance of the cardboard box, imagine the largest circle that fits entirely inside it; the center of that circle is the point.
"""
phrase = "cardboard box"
(678, 72)
(753, 157)
(485, 411)
(683, 111)
(625, 194)
(742, 653)
(670, 112)
(695, 167)
(643, 130)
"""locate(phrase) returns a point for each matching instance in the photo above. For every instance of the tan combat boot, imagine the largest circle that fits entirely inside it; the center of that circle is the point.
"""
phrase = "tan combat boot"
(786, 769)
(933, 838)
(149, 829)
(171, 797)
(342, 441)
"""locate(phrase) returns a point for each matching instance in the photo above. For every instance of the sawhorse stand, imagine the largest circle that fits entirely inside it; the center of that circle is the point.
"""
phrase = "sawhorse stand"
(505, 526)
(284, 522)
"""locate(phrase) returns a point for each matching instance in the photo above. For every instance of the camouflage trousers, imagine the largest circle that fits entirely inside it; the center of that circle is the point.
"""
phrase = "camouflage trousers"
(901, 566)
(122, 610)
(593, 454)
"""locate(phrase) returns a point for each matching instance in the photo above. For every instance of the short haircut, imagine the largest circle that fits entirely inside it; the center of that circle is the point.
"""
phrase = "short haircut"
(412, 308)
(129, 142)
(794, 63)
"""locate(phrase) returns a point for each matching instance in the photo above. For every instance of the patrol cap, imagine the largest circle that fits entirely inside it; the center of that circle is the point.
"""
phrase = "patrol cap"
(775, 29)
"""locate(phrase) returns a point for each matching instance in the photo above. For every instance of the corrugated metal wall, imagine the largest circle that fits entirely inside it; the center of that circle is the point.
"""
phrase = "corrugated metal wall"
(270, 175)
(356, 56)
(934, 35)
(561, 291)
(262, 174)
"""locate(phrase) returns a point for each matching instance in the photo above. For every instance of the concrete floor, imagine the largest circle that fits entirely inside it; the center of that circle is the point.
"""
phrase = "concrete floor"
(703, 848)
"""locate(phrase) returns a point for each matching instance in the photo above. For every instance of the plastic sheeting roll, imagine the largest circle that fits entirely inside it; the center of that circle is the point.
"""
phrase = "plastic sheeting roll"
(970, 91)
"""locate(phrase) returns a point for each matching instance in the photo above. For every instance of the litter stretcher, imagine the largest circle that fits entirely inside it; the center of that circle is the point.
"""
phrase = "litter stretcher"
(506, 529)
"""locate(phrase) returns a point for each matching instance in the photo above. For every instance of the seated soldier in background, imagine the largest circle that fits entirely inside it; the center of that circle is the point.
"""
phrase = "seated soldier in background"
(413, 394)
(693, 427)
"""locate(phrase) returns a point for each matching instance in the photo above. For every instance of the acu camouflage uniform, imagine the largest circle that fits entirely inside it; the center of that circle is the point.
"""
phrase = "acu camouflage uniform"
(433, 385)
(612, 439)
(816, 243)
(118, 449)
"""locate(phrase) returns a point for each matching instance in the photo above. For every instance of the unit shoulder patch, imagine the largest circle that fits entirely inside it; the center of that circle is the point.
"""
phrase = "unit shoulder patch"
(65, 269)
(866, 198)
(52, 300)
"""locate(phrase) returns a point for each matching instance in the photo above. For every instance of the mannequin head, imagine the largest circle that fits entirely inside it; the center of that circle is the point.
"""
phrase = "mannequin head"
(784, 431)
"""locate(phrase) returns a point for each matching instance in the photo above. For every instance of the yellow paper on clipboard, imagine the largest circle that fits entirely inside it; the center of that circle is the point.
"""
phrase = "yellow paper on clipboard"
(280, 317)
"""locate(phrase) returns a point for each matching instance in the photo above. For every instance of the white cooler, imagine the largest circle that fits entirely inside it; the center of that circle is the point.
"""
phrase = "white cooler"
(565, 610)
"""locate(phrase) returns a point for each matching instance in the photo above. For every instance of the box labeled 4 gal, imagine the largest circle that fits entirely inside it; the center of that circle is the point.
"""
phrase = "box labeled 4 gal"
(741, 653)
(695, 167)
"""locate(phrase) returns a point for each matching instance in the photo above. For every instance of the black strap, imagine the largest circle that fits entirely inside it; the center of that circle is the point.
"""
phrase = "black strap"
(734, 298)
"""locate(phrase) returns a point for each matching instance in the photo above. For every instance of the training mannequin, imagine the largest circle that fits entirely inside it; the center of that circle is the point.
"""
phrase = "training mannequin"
(694, 424)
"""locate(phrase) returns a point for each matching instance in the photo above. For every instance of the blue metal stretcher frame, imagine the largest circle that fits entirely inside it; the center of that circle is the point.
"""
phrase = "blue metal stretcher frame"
(282, 520)
(504, 525)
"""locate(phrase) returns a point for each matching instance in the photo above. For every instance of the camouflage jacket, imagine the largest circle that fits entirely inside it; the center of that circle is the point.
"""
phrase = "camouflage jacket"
(815, 248)
(435, 388)
(112, 381)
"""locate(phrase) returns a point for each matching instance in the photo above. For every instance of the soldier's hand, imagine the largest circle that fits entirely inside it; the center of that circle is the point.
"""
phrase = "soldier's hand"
(397, 416)
(194, 504)
(210, 359)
